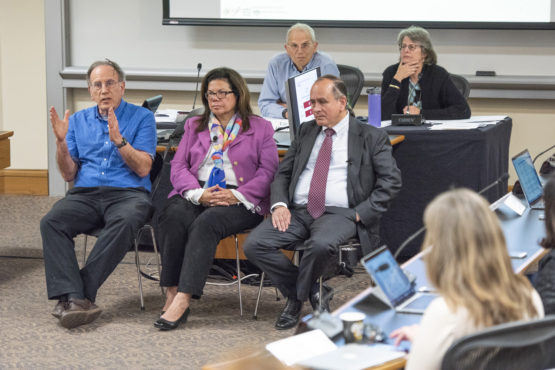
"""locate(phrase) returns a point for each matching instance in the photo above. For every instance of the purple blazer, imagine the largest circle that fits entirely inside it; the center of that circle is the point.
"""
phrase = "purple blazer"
(253, 155)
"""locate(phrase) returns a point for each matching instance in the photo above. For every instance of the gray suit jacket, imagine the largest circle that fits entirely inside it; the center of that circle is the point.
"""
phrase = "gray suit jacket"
(373, 178)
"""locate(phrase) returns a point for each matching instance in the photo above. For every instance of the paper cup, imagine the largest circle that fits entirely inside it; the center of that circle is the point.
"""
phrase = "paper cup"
(353, 326)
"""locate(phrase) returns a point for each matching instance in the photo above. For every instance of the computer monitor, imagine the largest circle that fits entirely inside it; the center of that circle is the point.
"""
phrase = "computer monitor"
(297, 89)
(153, 103)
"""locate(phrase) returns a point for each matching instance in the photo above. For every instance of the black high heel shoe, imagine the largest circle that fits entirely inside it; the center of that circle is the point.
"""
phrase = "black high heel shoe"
(164, 324)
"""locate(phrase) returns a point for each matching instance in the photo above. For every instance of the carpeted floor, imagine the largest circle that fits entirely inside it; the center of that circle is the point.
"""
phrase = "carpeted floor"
(123, 336)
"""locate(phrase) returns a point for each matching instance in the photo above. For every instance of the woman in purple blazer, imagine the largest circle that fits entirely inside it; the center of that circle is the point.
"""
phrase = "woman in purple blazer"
(221, 176)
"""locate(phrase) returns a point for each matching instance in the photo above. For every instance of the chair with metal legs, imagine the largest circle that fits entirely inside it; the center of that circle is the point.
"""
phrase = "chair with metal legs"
(136, 242)
(232, 248)
(351, 244)
(155, 179)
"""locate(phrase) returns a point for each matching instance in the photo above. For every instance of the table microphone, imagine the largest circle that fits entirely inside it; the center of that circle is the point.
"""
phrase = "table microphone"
(199, 67)
(539, 155)
(403, 245)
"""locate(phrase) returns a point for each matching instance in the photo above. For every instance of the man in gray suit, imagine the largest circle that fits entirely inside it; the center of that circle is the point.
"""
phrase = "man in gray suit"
(334, 183)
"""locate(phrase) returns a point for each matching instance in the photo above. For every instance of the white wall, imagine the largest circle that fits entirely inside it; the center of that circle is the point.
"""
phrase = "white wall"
(22, 77)
(23, 81)
(139, 40)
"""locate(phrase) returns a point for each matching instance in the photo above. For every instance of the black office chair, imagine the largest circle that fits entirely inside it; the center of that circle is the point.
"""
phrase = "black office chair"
(354, 80)
(180, 128)
(462, 84)
(516, 345)
(153, 103)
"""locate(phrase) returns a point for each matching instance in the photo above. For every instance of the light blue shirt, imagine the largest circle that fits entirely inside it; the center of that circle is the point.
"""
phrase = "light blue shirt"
(281, 68)
(99, 161)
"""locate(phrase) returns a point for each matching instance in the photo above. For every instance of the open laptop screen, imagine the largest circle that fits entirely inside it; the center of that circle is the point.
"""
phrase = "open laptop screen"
(388, 275)
(528, 177)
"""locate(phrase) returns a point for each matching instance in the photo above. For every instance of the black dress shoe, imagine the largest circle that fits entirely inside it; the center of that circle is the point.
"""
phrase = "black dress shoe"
(327, 292)
(79, 312)
(289, 317)
(164, 324)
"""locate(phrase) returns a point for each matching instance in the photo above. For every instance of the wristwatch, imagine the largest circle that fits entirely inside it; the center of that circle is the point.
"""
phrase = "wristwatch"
(122, 144)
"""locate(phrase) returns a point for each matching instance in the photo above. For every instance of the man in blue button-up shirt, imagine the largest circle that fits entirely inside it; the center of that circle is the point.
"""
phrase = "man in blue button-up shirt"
(107, 151)
(301, 56)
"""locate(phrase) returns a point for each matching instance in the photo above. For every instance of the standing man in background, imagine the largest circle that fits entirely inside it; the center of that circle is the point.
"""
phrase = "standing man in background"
(107, 151)
(301, 56)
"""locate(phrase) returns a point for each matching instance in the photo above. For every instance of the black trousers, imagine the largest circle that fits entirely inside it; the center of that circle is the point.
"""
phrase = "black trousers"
(189, 235)
(120, 212)
(321, 238)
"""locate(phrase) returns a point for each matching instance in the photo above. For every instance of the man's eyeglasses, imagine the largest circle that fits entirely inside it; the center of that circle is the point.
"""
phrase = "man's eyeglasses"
(218, 94)
(110, 84)
(410, 47)
(303, 46)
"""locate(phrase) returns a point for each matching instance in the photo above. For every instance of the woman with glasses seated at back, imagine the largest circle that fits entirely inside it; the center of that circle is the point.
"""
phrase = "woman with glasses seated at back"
(221, 175)
(468, 264)
(417, 85)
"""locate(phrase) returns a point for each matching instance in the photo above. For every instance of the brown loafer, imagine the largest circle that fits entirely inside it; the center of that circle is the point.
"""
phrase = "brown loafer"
(60, 307)
(79, 312)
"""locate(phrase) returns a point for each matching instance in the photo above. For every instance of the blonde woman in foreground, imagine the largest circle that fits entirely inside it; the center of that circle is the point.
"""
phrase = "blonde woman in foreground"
(468, 263)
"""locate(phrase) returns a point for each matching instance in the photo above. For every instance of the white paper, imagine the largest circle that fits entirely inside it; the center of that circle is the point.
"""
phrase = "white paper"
(166, 115)
(386, 123)
(278, 122)
(300, 347)
(465, 124)
(515, 204)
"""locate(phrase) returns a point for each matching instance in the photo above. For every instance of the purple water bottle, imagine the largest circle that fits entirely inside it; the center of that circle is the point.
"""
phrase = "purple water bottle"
(374, 106)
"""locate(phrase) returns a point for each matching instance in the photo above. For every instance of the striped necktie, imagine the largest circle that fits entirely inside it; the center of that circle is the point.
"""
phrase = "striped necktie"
(316, 204)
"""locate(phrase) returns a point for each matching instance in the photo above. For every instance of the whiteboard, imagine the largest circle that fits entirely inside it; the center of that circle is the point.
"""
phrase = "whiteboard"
(131, 33)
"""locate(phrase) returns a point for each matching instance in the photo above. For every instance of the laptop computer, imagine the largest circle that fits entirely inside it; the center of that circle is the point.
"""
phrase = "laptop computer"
(353, 357)
(529, 180)
(393, 286)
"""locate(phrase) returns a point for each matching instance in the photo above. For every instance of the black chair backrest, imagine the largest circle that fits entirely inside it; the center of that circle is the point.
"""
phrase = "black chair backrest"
(354, 80)
(153, 103)
(180, 128)
(461, 84)
(517, 345)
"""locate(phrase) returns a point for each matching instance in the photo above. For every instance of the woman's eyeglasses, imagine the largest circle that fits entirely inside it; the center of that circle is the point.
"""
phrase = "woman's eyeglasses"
(218, 94)
(410, 47)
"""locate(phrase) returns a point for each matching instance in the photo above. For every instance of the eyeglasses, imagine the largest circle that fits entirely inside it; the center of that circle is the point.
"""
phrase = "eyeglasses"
(110, 84)
(303, 46)
(219, 94)
(410, 47)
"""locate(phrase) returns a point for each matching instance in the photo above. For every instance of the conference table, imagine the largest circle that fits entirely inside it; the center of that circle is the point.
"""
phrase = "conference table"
(522, 233)
(431, 162)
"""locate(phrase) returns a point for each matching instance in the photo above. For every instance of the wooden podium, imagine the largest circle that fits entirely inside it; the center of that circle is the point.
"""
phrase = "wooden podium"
(5, 148)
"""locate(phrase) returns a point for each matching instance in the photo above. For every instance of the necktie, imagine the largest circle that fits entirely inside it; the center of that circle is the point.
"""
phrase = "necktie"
(317, 194)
